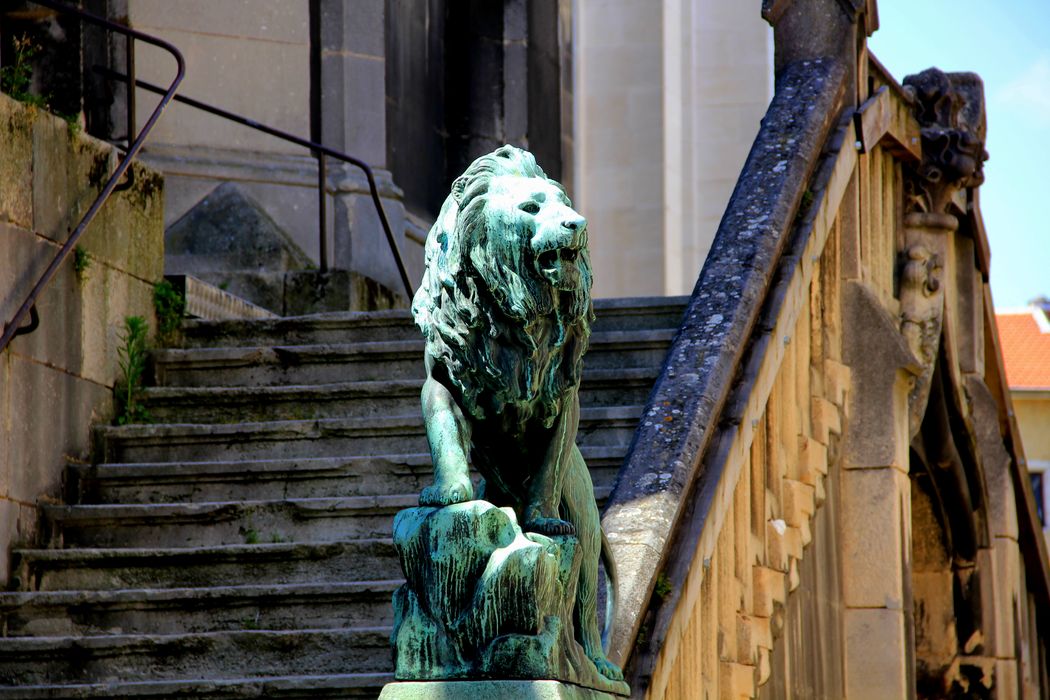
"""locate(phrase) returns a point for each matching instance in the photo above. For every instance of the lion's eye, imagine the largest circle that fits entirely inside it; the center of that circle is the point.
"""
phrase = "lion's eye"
(530, 207)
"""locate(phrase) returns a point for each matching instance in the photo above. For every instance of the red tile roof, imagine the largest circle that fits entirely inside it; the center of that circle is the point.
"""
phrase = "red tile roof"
(1025, 339)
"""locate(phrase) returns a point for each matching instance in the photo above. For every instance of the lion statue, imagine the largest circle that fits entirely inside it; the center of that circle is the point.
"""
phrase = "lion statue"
(505, 308)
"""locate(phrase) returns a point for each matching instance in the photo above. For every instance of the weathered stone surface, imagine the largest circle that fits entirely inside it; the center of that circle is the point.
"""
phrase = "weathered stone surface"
(881, 365)
(724, 307)
(16, 167)
(190, 559)
(226, 231)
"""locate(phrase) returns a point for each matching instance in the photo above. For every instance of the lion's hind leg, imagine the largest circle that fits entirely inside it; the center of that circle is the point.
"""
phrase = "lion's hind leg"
(582, 512)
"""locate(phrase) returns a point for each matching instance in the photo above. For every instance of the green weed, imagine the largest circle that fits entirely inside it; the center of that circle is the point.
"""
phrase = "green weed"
(131, 359)
(170, 305)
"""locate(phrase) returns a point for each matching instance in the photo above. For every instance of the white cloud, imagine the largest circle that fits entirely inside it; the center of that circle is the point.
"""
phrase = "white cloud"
(1030, 90)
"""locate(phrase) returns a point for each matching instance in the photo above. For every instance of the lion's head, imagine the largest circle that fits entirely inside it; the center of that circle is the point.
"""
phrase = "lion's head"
(505, 299)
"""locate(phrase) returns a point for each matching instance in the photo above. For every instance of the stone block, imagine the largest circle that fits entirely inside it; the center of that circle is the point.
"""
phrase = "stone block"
(1005, 579)
(16, 167)
(799, 503)
(812, 459)
(360, 242)
(825, 418)
(769, 590)
(355, 87)
(18, 524)
(68, 173)
(875, 511)
(876, 661)
(269, 20)
(50, 417)
(1006, 680)
(879, 361)
(353, 26)
(736, 680)
(226, 71)
(836, 381)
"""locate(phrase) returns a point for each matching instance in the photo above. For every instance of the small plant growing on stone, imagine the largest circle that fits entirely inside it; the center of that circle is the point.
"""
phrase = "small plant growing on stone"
(131, 359)
(251, 536)
(170, 305)
(16, 79)
(663, 586)
(81, 262)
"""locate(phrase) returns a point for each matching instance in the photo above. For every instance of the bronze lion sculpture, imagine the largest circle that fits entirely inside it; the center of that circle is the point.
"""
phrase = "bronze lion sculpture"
(505, 309)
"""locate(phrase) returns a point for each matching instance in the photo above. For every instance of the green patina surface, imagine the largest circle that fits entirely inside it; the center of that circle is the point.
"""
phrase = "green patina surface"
(505, 308)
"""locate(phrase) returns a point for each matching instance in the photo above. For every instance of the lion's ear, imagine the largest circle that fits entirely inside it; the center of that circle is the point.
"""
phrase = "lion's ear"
(459, 185)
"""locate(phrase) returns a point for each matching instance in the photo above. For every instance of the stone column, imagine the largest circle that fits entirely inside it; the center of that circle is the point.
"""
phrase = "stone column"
(353, 106)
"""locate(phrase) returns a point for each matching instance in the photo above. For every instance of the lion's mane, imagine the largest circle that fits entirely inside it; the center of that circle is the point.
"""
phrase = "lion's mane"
(505, 336)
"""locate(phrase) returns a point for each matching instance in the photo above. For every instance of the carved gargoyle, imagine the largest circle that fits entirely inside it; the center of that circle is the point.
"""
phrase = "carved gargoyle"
(505, 308)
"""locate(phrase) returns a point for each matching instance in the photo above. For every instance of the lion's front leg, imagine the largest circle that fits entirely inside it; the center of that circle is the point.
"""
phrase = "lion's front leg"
(448, 433)
(541, 509)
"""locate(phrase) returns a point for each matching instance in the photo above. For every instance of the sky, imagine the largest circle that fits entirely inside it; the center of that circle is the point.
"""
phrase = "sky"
(1007, 43)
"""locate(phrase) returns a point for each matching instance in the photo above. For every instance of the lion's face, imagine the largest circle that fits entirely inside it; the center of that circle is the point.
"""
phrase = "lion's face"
(505, 300)
(556, 234)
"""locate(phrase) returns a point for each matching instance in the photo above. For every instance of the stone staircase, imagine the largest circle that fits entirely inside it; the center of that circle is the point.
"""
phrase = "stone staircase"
(240, 545)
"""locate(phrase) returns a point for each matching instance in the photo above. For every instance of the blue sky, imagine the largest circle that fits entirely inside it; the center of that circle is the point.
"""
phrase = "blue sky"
(1007, 42)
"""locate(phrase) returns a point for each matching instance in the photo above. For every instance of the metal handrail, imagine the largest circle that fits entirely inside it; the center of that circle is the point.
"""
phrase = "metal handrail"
(14, 328)
(318, 148)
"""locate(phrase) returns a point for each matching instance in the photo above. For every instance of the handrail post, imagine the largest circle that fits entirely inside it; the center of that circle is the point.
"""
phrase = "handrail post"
(322, 209)
(129, 60)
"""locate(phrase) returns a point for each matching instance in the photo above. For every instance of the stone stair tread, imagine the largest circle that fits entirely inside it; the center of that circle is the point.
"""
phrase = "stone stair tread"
(220, 468)
(306, 686)
(218, 654)
(58, 644)
(318, 427)
(260, 551)
(215, 510)
(606, 309)
(212, 512)
(357, 388)
(323, 352)
(121, 596)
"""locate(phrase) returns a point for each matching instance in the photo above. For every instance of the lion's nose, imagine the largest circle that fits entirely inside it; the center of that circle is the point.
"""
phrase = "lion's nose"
(577, 224)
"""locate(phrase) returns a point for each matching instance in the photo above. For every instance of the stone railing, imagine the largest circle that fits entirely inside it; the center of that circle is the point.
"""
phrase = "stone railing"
(777, 520)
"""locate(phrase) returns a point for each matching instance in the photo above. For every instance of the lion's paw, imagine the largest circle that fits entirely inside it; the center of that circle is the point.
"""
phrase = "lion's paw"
(445, 494)
(550, 526)
(607, 668)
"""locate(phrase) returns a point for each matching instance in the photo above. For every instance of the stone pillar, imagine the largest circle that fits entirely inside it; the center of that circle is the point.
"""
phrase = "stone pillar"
(353, 104)
(876, 503)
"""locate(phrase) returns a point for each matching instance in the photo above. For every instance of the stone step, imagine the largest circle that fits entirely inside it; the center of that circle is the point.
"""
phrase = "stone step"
(336, 685)
(205, 655)
(221, 404)
(612, 314)
(187, 610)
(324, 437)
(248, 366)
(232, 522)
(181, 567)
(310, 477)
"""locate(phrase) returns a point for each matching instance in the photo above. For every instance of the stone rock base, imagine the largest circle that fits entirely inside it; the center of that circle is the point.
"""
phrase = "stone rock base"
(490, 690)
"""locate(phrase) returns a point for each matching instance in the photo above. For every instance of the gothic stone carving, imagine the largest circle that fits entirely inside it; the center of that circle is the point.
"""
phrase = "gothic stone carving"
(505, 308)
(950, 110)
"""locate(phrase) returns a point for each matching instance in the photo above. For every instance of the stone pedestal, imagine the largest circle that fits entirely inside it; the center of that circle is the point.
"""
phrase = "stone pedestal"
(485, 600)
(490, 690)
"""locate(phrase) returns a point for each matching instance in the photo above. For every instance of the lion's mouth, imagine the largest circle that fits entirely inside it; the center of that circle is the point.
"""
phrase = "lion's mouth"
(558, 266)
